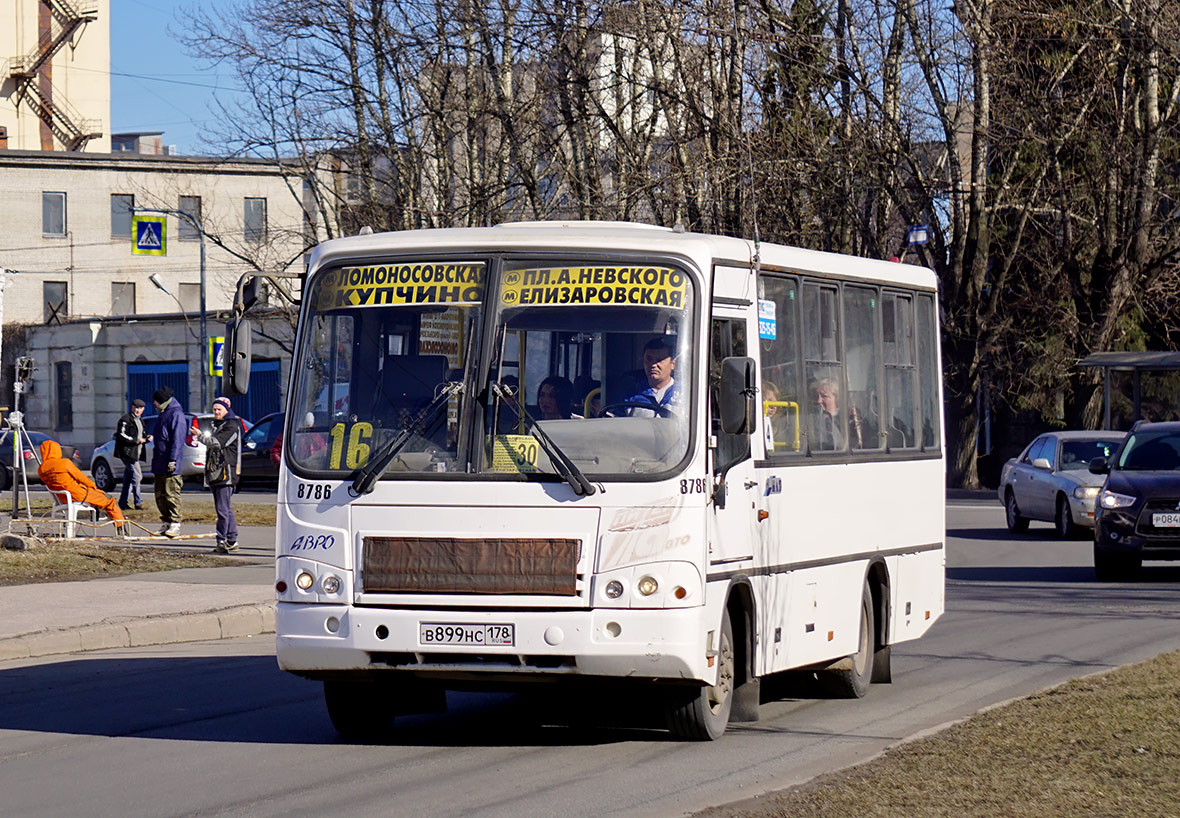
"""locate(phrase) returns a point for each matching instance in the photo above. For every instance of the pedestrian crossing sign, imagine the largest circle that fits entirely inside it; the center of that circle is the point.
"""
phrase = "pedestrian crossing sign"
(216, 356)
(150, 234)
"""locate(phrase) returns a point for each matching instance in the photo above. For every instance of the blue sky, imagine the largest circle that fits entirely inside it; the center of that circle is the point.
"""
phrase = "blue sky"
(155, 86)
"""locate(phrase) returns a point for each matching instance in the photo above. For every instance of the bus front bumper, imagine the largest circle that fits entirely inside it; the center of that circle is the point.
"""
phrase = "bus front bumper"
(324, 640)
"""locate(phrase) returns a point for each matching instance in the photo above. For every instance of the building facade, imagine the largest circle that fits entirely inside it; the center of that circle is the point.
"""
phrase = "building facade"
(55, 91)
(67, 241)
(96, 318)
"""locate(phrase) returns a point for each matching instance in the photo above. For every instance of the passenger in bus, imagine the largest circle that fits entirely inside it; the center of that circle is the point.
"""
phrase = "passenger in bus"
(827, 433)
(588, 396)
(776, 416)
(555, 398)
(659, 364)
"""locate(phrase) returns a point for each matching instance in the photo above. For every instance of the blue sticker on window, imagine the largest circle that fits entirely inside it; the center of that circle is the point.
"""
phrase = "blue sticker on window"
(767, 322)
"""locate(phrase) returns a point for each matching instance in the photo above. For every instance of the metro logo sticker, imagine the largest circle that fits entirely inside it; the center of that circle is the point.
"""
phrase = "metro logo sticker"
(584, 286)
(398, 284)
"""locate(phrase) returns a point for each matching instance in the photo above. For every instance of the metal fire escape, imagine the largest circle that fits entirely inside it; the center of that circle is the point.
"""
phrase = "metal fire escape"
(61, 118)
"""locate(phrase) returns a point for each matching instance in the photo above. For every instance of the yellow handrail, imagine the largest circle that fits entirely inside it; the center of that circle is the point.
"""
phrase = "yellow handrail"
(785, 404)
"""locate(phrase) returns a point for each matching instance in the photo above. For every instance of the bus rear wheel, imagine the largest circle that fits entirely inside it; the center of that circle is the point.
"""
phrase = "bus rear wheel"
(854, 682)
(704, 715)
(359, 709)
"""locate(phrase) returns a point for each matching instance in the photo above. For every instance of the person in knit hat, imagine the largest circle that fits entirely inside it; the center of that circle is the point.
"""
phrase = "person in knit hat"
(223, 468)
(167, 456)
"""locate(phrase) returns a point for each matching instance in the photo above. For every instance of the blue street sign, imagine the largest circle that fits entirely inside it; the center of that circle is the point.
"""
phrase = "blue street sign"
(918, 234)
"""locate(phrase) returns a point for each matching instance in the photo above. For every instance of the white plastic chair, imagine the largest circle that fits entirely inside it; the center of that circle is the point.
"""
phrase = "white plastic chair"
(67, 509)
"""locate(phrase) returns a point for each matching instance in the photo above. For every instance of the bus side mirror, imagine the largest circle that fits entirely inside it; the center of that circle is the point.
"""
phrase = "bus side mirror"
(736, 398)
(235, 376)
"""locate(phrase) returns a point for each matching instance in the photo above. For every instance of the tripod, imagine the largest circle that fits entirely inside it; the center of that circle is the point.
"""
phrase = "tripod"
(21, 442)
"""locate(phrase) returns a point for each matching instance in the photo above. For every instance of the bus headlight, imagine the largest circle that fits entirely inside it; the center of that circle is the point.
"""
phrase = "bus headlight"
(647, 586)
(330, 584)
(304, 580)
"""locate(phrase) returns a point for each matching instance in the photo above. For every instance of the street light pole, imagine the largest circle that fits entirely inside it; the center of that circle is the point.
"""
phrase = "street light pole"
(203, 342)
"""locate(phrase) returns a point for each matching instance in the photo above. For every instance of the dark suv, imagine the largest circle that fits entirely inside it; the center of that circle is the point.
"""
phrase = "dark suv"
(1137, 515)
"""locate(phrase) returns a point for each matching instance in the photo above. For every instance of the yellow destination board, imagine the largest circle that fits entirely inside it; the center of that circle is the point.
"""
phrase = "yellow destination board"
(581, 286)
(400, 284)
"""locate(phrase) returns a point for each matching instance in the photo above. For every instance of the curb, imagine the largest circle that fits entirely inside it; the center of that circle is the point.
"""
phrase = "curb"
(223, 623)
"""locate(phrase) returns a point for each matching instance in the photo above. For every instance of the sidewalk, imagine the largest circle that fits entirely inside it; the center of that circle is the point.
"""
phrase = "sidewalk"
(188, 605)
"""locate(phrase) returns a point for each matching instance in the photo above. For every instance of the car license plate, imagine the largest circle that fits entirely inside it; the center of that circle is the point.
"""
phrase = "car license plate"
(457, 633)
(1169, 520)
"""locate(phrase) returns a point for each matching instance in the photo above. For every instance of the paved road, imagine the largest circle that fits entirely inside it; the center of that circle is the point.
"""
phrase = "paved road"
(215, 729)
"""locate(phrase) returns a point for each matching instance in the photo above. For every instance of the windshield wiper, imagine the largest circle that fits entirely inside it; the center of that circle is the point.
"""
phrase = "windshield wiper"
(364, 478)
(564, 466)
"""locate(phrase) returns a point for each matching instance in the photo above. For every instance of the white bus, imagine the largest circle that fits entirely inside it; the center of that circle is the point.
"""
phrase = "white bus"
(586, 451)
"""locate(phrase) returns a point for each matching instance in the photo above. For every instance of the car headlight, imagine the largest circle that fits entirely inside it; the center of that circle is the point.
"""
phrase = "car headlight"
(1086, 492)
(1111, 499)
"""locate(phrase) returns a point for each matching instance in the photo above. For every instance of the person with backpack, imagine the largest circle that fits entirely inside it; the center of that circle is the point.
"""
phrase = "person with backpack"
(223, 468)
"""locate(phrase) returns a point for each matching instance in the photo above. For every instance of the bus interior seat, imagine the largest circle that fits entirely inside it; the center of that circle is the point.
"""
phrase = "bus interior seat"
(408, 384)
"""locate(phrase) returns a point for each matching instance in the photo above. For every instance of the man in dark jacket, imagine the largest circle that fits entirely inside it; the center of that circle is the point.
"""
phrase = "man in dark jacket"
(167, 456)
(129, 440)
(223, 468)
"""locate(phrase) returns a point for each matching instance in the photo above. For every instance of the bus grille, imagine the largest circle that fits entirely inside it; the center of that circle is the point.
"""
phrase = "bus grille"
(449, 565)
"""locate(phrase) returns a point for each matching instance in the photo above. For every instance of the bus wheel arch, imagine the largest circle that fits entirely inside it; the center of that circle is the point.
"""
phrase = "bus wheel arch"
(747, 693)
(703, 713)
(877, 579)
(850, 678)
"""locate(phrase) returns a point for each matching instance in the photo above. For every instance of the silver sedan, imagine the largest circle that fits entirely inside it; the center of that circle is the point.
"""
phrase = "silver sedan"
(1050, 480)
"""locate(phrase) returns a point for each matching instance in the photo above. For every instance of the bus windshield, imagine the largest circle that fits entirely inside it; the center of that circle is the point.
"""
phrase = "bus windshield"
(379, 343)
(601, 357)
(588, 370)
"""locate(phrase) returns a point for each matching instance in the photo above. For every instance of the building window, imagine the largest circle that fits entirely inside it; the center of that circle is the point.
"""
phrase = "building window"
(122, 298)
(56, 301)
(190, 297)
(64, 377)
(53, 214)
(121, 207)
(255, 220)
(192, 206)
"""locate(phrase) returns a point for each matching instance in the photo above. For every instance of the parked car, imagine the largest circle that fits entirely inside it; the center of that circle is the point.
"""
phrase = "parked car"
(107, 470)
(1050, 480)
(1138, 516)
(257, 463)
(32, 457)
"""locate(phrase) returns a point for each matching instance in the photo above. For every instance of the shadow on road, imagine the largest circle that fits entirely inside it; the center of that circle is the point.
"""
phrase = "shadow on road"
(1033, 535)
(1058, 573)
(248, 699)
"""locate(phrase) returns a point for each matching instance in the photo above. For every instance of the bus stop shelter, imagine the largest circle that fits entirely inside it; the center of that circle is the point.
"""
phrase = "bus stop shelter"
(1134, 362)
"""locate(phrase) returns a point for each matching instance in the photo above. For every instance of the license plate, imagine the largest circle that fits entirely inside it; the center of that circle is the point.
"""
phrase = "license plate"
(456, 633)
(1169, 520)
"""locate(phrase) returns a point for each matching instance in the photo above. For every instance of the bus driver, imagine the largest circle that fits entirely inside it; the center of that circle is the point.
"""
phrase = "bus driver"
(659, 362)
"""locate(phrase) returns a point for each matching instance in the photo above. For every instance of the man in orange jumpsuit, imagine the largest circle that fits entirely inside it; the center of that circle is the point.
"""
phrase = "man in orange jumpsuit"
(60, 474)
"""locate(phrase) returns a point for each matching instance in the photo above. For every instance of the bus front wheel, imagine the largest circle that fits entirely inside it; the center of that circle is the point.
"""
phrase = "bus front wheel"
(703, 715)
(359, 709)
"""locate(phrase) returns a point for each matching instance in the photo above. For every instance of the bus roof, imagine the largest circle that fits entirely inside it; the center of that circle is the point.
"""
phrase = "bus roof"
(624, 236)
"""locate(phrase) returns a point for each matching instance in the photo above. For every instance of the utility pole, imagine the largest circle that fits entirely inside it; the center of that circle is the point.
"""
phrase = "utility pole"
(203, 343)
